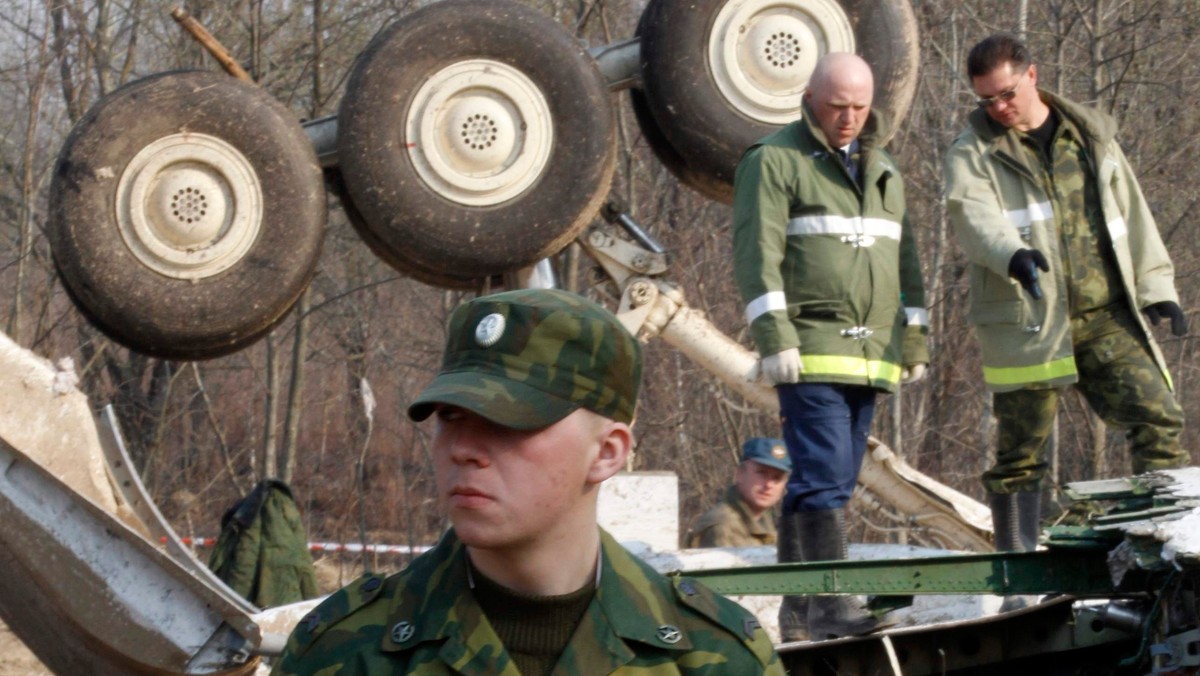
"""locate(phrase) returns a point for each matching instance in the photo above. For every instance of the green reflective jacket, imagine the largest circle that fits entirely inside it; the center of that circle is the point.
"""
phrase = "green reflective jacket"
(426, 620)
(997, 206)
(825, 266)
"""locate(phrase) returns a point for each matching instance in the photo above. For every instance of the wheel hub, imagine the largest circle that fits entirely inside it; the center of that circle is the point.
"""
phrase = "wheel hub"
(480, 132)
(189, 206)
(485, 134)
(762, 52)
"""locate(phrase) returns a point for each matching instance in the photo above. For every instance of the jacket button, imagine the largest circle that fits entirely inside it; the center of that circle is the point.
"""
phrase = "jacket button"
(669, 634)
(687, 588)
(402, 631)
(371, 584)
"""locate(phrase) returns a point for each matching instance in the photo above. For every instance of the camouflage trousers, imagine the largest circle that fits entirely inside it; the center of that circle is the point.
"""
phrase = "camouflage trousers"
(1120, 381)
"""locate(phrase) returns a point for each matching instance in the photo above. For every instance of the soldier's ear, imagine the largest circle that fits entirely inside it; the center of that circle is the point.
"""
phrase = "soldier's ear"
(615, 442)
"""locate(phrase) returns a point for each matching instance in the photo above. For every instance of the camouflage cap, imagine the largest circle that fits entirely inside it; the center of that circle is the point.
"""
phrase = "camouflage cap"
(769, 452)
(526, 359)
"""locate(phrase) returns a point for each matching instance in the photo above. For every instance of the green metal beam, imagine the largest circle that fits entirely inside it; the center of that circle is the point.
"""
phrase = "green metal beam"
(1077, 572)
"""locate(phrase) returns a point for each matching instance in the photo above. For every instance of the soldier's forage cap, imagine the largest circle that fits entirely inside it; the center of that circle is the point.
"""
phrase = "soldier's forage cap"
(769, 452)
(526, 359)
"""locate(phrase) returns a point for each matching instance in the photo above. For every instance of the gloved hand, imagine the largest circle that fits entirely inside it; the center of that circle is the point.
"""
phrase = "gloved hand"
(1023, 268)
(912, 373)
(1167, 308)
(782, 367)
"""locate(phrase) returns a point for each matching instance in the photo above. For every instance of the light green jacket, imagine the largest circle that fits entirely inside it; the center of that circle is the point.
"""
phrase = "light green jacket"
(425, 620)
(825, 266)
(997, 206)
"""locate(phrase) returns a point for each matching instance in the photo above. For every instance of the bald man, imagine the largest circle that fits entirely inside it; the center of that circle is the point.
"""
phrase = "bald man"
(827, 266)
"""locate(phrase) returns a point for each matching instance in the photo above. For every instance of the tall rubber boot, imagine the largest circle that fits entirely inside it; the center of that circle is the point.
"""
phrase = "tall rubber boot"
(1015, 523)
(793, 612)
(823, 538)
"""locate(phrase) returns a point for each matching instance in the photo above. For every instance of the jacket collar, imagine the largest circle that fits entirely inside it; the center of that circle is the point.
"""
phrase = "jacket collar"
(631, 605)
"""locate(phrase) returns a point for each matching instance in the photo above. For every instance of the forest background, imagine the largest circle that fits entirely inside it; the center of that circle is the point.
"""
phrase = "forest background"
(298, 404)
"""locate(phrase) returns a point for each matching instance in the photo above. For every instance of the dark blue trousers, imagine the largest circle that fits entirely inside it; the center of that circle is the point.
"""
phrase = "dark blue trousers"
(825, 426)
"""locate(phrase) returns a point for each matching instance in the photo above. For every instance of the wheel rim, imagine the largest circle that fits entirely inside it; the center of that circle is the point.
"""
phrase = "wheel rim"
(189, 206)
(761, 52)
(480, 132)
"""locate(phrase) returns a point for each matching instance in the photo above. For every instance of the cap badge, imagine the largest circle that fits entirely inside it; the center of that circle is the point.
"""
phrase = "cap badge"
(489, 330)
(779, 452)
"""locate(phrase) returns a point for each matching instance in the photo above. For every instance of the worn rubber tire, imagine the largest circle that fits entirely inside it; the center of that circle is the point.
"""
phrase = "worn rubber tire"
(428, 230)
(267, 191)
(706, 131)
(337, 185)
(662, 148)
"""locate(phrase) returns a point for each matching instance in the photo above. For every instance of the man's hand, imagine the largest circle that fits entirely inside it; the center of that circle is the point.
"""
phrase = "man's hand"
(782, 368)
(1023, 267)
(1169, 309)
(912, 373)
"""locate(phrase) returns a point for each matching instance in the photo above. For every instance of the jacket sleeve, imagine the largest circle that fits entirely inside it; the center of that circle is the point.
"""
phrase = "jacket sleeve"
(975, 211)
(760, 215)
(912, 296)
(1153, 272)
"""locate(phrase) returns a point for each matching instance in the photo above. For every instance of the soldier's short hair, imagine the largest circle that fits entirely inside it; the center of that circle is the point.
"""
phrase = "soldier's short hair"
(996, 50)
(526, 359)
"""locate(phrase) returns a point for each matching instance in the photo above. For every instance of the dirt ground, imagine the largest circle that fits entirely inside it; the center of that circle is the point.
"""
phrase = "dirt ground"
(15, 658)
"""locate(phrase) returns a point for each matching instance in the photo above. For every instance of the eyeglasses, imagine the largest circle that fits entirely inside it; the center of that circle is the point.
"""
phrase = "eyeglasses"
(1005, 96)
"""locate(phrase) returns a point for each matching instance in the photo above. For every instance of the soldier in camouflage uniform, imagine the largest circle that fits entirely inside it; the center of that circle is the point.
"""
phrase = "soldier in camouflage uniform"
(744, 517)
(533, 407)
(1066, 260)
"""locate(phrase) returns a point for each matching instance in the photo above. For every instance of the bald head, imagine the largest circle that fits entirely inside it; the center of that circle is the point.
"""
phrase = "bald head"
(841, 68)
(840, 92)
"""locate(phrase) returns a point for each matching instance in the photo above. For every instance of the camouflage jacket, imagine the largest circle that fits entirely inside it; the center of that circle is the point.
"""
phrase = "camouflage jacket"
(425, 620)
(827, 266)
(262, 552)
(730, 524)
(998, 205)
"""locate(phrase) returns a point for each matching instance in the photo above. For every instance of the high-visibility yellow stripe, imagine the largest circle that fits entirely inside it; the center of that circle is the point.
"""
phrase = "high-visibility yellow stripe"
(1019, 375)
(858, 367)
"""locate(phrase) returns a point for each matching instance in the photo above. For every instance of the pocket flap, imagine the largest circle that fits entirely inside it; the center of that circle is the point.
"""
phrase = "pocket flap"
(997, 312)
(817, 309)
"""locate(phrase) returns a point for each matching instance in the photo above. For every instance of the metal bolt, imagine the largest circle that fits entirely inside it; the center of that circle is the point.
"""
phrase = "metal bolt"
(641, 293)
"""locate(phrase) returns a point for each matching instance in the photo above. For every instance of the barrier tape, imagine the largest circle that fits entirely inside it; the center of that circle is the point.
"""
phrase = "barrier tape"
(356, 547)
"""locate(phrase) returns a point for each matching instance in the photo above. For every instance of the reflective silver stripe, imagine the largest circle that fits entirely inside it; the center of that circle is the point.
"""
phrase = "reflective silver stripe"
(1117, 229)
(1023, 218)
(917, 316)
(768, 302)
(844, 225)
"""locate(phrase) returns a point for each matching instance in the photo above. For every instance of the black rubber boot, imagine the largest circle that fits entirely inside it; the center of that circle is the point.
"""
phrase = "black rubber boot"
(1016, 520)
(793, 612)
(823, 538)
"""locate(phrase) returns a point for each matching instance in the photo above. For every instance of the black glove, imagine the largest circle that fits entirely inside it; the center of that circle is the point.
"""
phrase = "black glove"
(1023, 268)
(1167, 308)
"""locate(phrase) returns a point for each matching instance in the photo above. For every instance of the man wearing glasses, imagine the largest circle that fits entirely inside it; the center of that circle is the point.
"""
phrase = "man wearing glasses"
(1066, 267)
